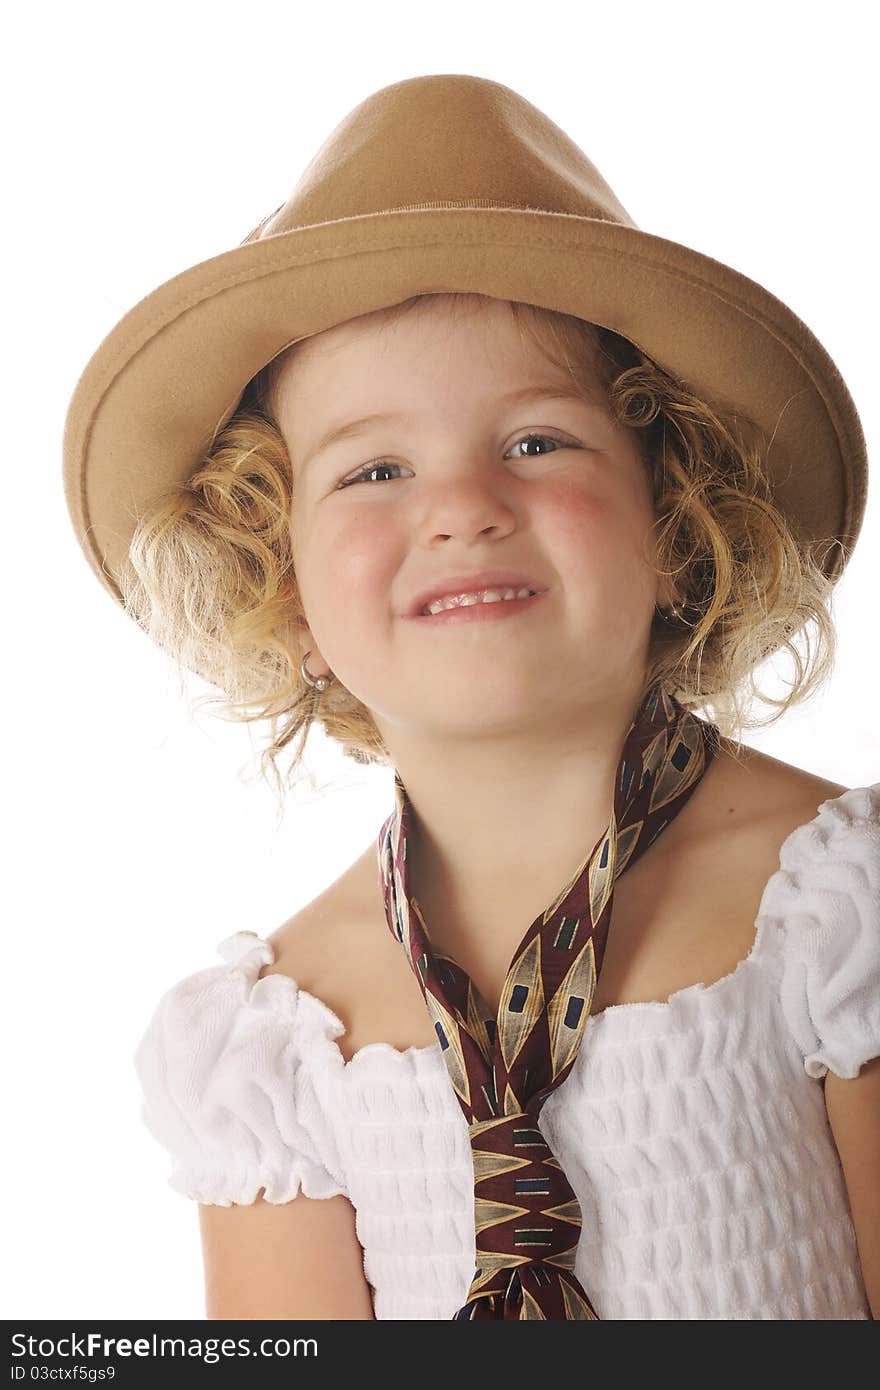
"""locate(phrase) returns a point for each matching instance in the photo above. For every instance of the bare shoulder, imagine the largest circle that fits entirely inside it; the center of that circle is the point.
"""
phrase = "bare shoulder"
(753, 804)
(768, 789)
(309, 944)
(687, 914)
(339, 949)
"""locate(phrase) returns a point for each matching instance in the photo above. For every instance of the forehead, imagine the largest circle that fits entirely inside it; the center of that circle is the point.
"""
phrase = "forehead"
(445, 343)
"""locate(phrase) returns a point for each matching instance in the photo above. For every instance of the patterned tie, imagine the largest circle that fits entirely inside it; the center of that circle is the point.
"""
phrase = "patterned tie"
(527, 1217)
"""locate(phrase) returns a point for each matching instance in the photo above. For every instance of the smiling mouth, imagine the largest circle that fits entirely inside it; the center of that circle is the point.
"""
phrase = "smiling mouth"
(480, 611)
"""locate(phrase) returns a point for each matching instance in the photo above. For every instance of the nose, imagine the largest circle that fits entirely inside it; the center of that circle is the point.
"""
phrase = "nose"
(467, 502)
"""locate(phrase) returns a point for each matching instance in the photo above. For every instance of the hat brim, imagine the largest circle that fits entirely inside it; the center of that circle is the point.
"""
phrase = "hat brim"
(151, 398)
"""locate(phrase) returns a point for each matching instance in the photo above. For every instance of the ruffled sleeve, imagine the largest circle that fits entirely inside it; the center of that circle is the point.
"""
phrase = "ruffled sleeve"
(826, 899)
(225, 1088)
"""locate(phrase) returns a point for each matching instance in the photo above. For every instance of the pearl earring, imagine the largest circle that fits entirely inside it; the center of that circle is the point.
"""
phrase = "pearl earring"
(318, 683)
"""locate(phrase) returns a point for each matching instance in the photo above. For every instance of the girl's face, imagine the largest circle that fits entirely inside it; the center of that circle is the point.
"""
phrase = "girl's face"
(449, 483)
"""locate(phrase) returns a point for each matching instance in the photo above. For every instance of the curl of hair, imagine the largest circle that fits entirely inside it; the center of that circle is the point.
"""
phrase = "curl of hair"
(212, 579)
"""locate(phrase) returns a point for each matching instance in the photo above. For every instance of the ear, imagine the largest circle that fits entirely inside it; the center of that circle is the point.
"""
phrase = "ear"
(298, 636)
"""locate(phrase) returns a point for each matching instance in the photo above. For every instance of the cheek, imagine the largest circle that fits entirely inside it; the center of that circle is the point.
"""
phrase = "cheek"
(356, 556)
(366, 548)
(601, 532)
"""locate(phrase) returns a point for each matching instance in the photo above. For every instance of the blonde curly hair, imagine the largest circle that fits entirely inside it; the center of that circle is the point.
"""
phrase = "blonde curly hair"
(212, 581)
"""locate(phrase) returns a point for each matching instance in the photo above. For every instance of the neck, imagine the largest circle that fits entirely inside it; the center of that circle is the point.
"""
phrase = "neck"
(496, 833)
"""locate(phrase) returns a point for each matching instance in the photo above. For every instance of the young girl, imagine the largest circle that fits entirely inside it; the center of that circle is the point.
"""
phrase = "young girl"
(453, 459)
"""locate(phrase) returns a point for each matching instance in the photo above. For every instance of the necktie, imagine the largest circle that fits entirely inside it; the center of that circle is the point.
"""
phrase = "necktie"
(527, 1217)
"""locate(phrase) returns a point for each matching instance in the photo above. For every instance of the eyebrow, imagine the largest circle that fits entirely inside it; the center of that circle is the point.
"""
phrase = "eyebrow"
(525, 393)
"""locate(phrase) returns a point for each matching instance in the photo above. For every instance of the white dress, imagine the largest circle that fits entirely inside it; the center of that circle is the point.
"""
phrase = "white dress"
(694, 1132)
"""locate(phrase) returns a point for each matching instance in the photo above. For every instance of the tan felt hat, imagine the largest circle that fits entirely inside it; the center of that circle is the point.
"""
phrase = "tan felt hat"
(448, 183)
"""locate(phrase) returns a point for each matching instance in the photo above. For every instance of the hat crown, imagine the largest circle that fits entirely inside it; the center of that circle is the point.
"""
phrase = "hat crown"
(447, 140)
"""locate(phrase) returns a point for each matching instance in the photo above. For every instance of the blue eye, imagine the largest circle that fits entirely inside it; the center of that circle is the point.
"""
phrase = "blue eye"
(545, 438)
(377, 465)
(361, 475)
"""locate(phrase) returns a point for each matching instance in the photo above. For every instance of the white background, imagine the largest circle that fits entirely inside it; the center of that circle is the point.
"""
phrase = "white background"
(139, 141)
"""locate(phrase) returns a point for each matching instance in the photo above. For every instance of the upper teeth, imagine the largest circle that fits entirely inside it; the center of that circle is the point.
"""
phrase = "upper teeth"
(479, 596)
